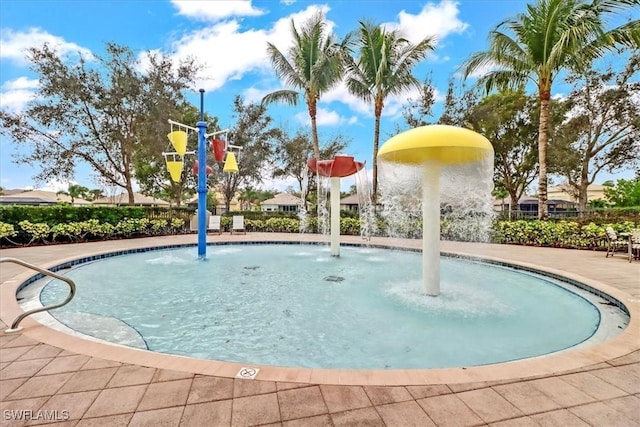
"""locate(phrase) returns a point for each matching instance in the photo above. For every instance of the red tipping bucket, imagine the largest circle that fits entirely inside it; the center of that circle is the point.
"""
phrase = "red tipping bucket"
(219, 147)
(194, 169)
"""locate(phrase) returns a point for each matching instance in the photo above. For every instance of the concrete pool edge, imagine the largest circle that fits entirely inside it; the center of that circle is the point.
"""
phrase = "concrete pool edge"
(620, 345)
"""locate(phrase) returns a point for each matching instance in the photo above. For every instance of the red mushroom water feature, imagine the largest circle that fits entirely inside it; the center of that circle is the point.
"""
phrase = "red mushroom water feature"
(339, 167)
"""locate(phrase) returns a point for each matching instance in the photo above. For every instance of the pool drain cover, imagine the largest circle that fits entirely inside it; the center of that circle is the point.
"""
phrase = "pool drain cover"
(333, 279)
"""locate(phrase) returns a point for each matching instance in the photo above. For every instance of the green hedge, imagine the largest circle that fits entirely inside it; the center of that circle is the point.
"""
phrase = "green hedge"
(28, 233)
(60, 213)
(561, 234)
(25, 225)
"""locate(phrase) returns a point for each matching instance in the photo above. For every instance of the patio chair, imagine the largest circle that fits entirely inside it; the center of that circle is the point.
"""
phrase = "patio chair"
(613, 242)
(214, 224)
(634, 241)
(238, 225)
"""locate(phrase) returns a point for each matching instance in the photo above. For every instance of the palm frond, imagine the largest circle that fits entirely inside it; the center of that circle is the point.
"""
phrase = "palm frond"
(283, 68)
(359, 88)
(502, 80)
(624, 36)
(612, 6)
(286, 96)
(477, 62)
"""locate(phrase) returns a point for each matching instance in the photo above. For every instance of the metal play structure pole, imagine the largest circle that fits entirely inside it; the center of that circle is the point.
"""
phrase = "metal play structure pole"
(202, 181)
(179, 141)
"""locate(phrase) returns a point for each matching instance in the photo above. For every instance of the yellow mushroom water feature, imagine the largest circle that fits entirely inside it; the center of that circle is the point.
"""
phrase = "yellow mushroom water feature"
(434, 148)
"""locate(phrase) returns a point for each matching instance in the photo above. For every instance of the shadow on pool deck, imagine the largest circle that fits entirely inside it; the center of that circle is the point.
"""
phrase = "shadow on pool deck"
(92, 388)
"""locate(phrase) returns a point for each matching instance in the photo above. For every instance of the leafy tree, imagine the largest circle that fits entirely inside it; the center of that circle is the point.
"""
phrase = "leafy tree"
(552, 36)
(247, 197)
(265, 195)
(312, 66)
(598, 204)
(150, 165)
(458, 104)
(415, 111)
(353, 189)
(293, 153)
(255, 133)
(94, 112)
(75, 191)
(94, 194)
(499, 192)
(603, 127)
(212, 202)
(625, 193)
(382, 67)
(505, 118)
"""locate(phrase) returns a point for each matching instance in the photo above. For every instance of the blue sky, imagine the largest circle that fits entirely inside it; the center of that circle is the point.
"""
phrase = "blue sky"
(229, 38)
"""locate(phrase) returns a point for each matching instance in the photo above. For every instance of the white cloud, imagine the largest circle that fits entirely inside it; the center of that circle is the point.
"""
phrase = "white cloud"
(216, 10)
(437, 20)
(253, 94)
(325, 117)
(340, 94)
(16, 43)
(56, 185)
(216, 48)
(279, 184)
(287, 2)
(392, 104)
(17, 93)
(15, 101)
(21, 83)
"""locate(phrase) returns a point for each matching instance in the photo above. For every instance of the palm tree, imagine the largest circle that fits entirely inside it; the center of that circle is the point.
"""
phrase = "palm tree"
(75, 191)
(313, 66)
(247, 198)
(382, 68)
(94, 194)
(552, 36)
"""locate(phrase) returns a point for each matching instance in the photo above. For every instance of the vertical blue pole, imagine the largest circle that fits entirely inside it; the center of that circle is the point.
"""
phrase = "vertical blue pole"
(202, 182)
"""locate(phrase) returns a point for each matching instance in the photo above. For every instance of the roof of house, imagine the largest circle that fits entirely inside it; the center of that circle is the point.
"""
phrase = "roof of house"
(9, 191)
(350, 200)
(41, 197)
(283, 199)
(25, 201)
(566, 189)
(528, 200)
(123, 199)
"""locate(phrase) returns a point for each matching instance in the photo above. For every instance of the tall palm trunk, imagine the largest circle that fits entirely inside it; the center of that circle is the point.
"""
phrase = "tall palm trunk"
(376, 142)
(543, 139)
(314, 128)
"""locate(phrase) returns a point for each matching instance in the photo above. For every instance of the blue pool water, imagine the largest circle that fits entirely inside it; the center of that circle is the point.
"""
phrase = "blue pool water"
(295, 305)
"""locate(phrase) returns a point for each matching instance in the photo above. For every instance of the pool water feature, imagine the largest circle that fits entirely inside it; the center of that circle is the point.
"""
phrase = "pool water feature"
(294, 305)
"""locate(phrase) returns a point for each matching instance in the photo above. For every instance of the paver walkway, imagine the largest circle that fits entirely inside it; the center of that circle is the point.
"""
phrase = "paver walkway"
(41, 380)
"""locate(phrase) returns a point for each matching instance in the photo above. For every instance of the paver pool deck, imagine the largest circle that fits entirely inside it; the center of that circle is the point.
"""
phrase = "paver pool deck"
(47, 374)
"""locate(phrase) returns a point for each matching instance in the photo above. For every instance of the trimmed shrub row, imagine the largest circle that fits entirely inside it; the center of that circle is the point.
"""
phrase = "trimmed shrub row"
(564, 234)
(28, 233)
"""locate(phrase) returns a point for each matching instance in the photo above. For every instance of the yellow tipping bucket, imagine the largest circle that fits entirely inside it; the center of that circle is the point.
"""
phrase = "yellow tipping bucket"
(175, 169)
(230, 165)
(178, 139)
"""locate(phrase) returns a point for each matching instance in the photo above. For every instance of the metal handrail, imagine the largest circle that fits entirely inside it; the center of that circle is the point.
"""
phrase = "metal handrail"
(20, 318)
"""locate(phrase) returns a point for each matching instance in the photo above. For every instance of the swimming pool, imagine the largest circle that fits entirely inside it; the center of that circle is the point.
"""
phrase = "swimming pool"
(294, 305)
